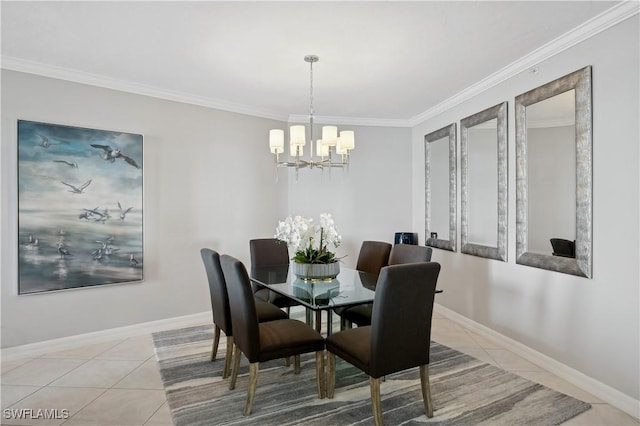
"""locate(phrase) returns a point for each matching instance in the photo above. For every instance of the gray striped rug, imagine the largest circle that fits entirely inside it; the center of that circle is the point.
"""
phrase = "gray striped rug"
(465, 391)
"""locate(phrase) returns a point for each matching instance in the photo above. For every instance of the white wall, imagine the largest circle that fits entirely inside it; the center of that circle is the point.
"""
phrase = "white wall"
(590, 325)
(372, 200)
(208, 182)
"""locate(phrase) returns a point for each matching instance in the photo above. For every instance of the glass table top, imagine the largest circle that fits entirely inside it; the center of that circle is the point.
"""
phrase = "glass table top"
(350, 287)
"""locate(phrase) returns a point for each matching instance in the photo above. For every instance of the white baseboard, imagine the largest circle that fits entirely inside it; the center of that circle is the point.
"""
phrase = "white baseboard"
(40, 348)
(600, 390)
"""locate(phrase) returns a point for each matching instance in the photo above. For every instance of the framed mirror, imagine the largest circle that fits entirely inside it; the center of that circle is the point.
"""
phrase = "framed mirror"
(440, 188)
(484, 191)
(554, 175)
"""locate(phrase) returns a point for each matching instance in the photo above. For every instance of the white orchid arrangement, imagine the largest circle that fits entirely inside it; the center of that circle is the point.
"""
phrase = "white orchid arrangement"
(301, 235)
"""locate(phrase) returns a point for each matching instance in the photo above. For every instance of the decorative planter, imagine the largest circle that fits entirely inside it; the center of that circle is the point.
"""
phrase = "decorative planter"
(316, 271)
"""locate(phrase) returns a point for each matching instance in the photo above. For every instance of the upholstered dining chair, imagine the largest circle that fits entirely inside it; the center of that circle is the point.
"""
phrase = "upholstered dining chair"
(392, 342)
(220, 307)
(269, 252)
(265, 341)
(400, 253)
(373, 256)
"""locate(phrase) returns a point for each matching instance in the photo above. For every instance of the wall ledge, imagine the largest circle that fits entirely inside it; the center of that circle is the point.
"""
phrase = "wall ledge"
(602, 391)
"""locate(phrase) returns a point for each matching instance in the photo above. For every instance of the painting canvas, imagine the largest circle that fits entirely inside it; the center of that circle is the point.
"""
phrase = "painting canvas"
(79, 207)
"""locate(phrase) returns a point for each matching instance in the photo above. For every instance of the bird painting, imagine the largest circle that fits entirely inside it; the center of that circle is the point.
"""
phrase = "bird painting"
(73, 164)
(123, 212)
(77, 189)
(44, 142)
(63, 251)
(111, 154)
(132, 260)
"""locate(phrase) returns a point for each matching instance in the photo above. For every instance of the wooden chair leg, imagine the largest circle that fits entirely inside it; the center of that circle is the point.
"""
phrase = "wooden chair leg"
(318, 321)
(320, 373)
(331, 374)
(296, 364)
(253, 382)
(375, 400)
(236, 367)
(216, 341)
(228, 357)
(426, 390)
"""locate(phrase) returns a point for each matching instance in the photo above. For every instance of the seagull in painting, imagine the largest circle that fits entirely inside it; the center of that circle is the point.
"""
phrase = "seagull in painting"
(63, 251)
(44, 142)
(123, 213)
(33, 242)
(68, 163)
(111, 154)
(132, 260)
(104, 216)
(77, 189)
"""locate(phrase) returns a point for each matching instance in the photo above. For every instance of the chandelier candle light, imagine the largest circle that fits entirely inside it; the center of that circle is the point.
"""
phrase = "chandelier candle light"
(325, 147)
(312, 259)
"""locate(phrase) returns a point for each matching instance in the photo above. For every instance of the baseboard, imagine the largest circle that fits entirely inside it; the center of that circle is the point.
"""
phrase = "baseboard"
(600, 390)
(32, 350)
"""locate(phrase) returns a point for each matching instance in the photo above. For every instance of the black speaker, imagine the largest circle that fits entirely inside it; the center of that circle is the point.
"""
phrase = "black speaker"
(406, 238)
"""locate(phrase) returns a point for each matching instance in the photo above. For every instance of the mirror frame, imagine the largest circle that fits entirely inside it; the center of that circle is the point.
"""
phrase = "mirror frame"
(449, 244)
(579, 80)
(499, 252)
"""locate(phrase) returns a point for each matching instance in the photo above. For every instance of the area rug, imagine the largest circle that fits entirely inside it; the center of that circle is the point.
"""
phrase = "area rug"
(465, 391)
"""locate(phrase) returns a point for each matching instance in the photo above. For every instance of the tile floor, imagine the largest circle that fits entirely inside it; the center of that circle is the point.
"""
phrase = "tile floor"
(118, 383)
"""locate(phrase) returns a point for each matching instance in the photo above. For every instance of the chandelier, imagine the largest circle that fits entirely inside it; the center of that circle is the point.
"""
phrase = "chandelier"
(330, 151)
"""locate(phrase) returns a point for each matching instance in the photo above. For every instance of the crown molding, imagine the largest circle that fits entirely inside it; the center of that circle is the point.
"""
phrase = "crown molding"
(351, 121)
(588, 29)
(61, 73)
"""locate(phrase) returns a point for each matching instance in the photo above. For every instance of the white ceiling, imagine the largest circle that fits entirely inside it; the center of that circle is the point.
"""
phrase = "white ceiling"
(378, 60)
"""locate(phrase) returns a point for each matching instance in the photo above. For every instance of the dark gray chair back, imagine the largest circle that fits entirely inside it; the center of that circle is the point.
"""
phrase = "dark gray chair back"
(243, 307)
(217, 290)
(268, 252)
(406, 253)
(401, 319)
(373, 256)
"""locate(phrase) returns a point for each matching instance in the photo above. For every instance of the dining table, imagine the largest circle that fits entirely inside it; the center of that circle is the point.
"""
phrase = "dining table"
(350, 287)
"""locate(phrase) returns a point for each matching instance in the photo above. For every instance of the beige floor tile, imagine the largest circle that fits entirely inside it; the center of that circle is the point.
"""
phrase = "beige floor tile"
(162, 417)
(146, 376)
(554, 382)
(10, 394)
(14, 363)
(478, 353)
(454, 340)
(84, 352)
(40, 371)
(602, 414)
(133, 348)
(509, 361)
(119, 407)
(98, 373)
(61, 404)
(485, 342)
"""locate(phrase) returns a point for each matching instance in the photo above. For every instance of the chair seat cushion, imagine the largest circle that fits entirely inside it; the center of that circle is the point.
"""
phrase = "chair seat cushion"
(268, 312)
(287, 337)
(353, 345)
(360, 314)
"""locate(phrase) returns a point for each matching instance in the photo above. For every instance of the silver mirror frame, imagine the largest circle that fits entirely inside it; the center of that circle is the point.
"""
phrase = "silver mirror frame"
(582, 264)
(449, 244)
(499, 252)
